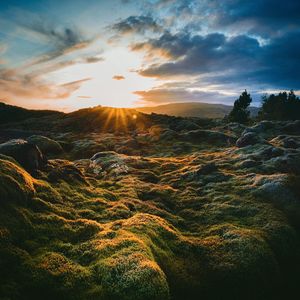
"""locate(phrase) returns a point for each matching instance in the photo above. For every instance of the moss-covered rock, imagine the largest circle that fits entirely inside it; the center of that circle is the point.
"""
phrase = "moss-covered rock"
(15, 183)
(45, 144)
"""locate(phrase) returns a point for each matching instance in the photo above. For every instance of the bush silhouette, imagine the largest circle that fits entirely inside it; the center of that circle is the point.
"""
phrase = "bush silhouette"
(240, 112)
(284, 106)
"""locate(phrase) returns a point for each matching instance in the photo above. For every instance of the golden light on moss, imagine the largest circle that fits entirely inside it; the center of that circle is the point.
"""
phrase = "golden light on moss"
(118, 118)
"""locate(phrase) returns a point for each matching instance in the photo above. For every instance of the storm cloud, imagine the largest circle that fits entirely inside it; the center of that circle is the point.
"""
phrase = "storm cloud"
(223, 59)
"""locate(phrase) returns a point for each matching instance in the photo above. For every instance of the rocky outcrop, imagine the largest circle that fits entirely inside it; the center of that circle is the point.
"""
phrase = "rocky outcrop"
(25, 153)
(111, 162)
(249, 138)
(45, 144)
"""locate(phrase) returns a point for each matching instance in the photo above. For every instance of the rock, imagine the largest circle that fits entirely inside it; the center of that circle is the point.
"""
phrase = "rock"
(248, 163)
(25, 153)
(290, 143)
(292, 127)
(46, 145)
(274, 188)
(247, 139)
(88, 166)
(289, 163)
(286, 141)
(259, 127)
(271, 152)
(60, 169)
(111, 162)
(207, 169)
(15, 183)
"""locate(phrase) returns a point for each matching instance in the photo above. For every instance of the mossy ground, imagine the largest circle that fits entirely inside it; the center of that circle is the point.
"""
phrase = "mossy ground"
(168, 228)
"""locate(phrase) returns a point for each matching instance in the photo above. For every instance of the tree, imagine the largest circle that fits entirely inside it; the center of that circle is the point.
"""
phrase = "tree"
(240, 112)
(284, 106)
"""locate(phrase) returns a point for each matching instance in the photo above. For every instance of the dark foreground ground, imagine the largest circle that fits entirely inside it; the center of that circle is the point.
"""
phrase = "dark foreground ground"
(115, 204)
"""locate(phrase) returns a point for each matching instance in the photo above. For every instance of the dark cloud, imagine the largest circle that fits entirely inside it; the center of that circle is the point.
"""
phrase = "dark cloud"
(198, 54)
(118, 77)
(136, 24)
(223, 60)
(261, 17)
(59, 37)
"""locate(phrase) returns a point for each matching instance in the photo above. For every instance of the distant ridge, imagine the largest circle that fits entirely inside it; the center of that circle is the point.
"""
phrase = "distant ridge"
(10, 113)
(192, 109)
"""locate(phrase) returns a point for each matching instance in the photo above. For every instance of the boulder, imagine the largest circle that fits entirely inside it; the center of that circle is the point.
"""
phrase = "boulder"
(88, 166)
(260, 127)
(270, 152)
(25, 153)
(59, 169)
(247, 163)
(274, 188)
(111, 162)
(249, 138)
(288, 163)
(286, 141)
(45, 144)
(207, 169)
(292, 127)
(15, 183)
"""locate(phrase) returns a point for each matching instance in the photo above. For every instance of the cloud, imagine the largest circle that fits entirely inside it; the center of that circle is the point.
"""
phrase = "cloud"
(200, 54)
(57, 39)
(136, 24)
(64, 47)
(178, 95)
(14, 86)
(118, 77)
(218, 59)
(93, 59)
(261, 18)
(84, 97)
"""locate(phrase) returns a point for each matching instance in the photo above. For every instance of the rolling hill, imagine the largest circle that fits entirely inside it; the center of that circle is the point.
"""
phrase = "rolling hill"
(192, 109)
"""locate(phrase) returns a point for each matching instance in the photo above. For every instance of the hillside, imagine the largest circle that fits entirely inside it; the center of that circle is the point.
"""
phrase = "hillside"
(192, 109)
(10, 113)
(109, 204)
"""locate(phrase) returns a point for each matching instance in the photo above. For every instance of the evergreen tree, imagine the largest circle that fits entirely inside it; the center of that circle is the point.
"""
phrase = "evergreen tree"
(284, 106)
(240, 112)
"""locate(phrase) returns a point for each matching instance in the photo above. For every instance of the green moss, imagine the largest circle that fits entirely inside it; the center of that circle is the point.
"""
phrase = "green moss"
(161, 230)
(132, 276)
(15, 183)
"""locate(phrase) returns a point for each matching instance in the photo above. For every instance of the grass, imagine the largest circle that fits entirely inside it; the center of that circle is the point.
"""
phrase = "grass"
(168, 228)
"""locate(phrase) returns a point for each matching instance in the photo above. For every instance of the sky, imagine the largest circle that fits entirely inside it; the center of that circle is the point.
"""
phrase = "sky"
(70, 54)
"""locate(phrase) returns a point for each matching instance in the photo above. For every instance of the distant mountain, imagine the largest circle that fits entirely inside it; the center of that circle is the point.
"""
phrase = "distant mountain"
(192, 109)
(10, 113)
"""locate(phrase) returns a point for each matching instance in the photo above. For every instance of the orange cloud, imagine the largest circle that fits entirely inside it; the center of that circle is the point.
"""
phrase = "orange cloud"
(118, 77)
